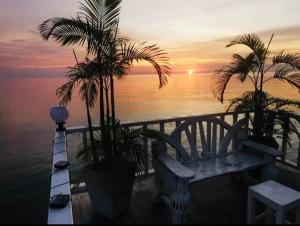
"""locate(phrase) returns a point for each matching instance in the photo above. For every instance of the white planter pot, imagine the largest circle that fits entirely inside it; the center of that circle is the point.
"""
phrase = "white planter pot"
(110, 195)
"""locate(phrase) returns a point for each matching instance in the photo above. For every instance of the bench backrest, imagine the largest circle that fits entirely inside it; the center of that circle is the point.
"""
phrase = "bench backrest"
(215, 136)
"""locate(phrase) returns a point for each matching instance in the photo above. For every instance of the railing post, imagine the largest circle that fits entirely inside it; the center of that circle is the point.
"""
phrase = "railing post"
(298, 159)
(209, 135)
(194, 133)
(178, 122)
(285, 138)
(162, 127)
(145, 146)
(222, 131)
(247, 116)
(234, 120)
(85, 139)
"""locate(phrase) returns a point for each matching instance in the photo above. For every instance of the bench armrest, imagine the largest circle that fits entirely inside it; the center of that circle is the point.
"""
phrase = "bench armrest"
(176, 167)
(263, 148)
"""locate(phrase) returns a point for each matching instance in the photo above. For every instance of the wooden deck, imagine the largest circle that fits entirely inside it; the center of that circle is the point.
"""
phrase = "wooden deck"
(215, 201)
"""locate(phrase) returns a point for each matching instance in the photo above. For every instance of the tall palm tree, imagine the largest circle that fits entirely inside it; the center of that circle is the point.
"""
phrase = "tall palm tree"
(96, 28)
(90, 28)
(259, 66)
(82, 76)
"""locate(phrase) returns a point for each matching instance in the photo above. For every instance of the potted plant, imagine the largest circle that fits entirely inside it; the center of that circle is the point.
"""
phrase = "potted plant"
(275, 117)
(260, 66)
(109, 179)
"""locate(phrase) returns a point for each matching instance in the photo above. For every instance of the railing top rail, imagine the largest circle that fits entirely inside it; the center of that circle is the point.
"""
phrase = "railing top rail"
(82, 129)
(60, 182)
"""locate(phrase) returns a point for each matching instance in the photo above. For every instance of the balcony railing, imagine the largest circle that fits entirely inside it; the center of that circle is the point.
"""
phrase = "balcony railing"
(61, 181)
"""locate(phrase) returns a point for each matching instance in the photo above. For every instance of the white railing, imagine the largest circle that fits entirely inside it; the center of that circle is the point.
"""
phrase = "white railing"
(60, 182)
(286, 150)
(161, 126)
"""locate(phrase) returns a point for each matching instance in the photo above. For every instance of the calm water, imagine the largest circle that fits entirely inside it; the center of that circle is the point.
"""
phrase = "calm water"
(27, 130)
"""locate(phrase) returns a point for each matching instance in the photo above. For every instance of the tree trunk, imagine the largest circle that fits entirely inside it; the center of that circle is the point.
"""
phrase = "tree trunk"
(113, 110)
(102, 116)
(259, 108)
(91, 132)
(258, 114)
(108, 120)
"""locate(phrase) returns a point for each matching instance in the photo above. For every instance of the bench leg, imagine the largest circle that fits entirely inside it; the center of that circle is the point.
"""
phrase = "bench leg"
(180, 200)
(160, 184)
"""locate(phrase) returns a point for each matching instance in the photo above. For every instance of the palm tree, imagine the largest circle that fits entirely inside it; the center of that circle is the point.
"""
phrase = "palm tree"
(260, 67)
(82, 76)
(90, 28)
(96, 28)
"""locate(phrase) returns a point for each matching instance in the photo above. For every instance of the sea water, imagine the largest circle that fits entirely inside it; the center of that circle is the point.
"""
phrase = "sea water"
(27, 130)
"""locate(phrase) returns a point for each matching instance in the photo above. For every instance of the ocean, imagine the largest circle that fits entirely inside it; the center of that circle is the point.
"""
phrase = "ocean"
(27, 130)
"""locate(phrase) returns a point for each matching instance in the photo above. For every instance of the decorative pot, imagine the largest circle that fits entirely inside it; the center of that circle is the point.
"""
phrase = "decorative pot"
(110, 193)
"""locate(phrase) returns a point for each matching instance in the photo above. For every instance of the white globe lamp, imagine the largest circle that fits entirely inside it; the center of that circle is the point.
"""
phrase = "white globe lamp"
(59, 114)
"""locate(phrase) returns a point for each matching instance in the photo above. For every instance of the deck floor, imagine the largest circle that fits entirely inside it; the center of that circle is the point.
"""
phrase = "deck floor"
(215, 201)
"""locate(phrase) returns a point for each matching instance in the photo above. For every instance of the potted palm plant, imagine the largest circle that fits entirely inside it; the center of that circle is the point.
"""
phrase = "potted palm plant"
(112, 160)
(260, 66)
(110, 178)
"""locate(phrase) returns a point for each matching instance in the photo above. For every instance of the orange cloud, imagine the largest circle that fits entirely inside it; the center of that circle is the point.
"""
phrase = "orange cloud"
(31, 53)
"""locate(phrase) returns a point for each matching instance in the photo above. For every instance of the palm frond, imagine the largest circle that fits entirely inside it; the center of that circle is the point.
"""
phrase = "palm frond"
(65, 31)
(253, 42)
(279, 103)
(288, 59)
(152, 54)
(65, 92)
(292, 79)
(246, 103)
(104, 12)
(281, 72)
(75, 31)
(89, 92)
(240, 66)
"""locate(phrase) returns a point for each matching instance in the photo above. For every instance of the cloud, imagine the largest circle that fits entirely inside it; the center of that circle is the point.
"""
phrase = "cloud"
(211, 55)
(32, 52)
(12, 73)
(28, 55)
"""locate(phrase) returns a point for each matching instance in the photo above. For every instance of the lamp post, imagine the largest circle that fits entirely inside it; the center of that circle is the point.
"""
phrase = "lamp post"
(59, 114)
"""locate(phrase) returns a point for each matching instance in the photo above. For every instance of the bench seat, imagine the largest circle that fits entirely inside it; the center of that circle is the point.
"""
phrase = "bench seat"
(231, 163)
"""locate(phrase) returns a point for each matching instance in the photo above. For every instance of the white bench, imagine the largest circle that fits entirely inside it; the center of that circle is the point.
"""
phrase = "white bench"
(214, 158)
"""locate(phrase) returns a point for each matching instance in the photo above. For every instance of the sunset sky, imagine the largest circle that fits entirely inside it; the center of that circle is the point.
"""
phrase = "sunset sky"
(193, 32)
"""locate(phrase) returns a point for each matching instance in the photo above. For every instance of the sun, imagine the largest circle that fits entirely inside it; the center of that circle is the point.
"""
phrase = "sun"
(190, 72)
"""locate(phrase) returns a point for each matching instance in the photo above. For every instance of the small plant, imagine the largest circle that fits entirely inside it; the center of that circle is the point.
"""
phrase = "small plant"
(259, 66)
(128, 150)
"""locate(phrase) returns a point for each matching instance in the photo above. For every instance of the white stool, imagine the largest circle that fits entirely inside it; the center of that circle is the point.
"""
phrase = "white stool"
(276, 197)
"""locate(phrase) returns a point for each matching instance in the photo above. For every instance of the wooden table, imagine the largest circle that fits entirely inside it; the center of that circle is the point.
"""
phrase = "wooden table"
(276, 197)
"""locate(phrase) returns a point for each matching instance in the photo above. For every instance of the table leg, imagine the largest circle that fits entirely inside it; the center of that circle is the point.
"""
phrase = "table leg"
(269, 216)
(251, 209)
(298, 216)
(280, 216)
